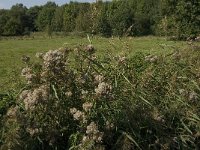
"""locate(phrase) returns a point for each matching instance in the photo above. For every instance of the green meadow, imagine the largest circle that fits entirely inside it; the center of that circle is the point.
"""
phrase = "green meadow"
(138, 92)
(12, 49)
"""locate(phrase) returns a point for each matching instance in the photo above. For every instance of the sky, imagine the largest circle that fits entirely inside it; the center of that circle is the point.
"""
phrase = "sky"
(6, 4)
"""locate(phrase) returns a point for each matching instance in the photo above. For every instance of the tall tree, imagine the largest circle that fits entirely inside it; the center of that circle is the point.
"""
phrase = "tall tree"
(120, 17)
(33, 13)
(117, 17)
(70, 14)
(4, 17)
(57, 24)
(46, 15)
(103, 25)
(83, 20)
(181, 18)
(17, 23)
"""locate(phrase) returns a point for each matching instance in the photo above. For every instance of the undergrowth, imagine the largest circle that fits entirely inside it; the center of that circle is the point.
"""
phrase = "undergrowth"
(75, 100)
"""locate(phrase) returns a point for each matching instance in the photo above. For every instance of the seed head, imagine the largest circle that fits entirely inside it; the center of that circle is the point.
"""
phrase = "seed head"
(87, 106)
(90, 48)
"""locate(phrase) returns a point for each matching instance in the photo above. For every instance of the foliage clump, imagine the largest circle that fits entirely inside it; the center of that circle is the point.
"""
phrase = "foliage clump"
(179, 18)
(75, 100)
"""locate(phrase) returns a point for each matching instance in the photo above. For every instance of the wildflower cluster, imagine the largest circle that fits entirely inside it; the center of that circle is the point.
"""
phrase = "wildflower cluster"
(32, 98)
(12, 112)
(78, 115)
(53, 60)
(29, 75)
(33, 131)
(51, 101)
(81, 102)
(103, 88)
(92, 133)
(39, 55)
(87, 106)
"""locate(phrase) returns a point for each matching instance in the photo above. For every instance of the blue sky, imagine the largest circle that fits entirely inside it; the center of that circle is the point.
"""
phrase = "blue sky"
(6, 4)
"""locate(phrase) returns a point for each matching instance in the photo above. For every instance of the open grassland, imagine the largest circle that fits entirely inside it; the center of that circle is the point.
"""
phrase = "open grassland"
(72, 99)
(11, 50)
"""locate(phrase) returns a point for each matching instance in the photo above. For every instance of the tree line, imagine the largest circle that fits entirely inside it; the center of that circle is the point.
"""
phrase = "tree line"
(178, 18)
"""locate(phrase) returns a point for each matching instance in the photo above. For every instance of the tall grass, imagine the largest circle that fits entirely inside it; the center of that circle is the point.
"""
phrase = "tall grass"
(74, 99)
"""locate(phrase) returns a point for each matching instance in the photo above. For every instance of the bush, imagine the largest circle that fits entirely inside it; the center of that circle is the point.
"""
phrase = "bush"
(74, 100)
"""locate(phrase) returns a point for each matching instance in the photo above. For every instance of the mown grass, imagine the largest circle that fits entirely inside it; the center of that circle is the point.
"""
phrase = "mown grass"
(12, 49)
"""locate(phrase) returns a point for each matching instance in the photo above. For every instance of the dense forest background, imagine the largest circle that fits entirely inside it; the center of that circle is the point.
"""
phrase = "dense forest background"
(178, 18)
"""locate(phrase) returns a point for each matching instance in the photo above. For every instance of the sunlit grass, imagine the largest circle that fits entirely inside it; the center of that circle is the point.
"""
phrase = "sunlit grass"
(11, 50)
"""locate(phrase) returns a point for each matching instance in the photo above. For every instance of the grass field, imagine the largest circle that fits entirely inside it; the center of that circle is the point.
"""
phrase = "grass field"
(11, 51)
(120, 99)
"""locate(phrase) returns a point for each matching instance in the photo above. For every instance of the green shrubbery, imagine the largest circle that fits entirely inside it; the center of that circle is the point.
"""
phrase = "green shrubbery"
(75, 100)
(179, 18)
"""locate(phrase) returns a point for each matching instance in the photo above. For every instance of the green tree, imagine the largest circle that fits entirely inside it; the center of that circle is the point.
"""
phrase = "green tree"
(3, 20)
(181, 18)
(120, 17)
(103, 26)
(57, 24)
(141, 26)
(33, 13)
(46, 15)
(70, 14)
(95, 12)
(83, 20)
(17, 23)
(12, 27)
(188, 19)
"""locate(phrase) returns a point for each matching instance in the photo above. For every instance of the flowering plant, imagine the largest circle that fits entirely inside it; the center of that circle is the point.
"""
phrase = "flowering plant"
(74, 100)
